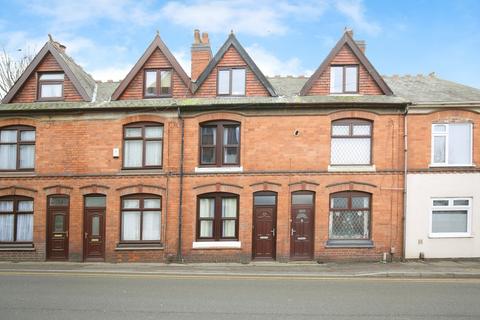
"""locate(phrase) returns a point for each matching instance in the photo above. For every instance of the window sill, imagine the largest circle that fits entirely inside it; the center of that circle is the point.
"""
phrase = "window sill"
(218, 169)
(449, 235)
(353, 168)
(433, 165)
(17, 173)
(17, 247)
(140, 171)
(349, 244)
(138, 246)
(217, 245)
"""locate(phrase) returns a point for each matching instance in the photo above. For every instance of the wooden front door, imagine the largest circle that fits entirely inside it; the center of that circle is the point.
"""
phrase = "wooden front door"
(264, 225)
(57, 227)
(94, 234)
(301, 231)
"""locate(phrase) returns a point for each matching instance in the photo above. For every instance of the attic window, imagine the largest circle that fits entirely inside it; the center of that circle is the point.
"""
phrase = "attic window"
(344, 79)
(50, 86)
(158, 83)
(231, 82)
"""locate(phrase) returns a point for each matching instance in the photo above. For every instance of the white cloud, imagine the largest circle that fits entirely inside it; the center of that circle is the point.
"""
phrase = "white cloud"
(355, 11)
(271, 65)
(111, 73)
(183, 57)
(260, 18)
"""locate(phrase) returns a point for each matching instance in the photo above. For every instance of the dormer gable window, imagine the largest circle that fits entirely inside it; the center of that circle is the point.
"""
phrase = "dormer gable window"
(50, 86)
(344, 79)
(231, 82)
(158, 83)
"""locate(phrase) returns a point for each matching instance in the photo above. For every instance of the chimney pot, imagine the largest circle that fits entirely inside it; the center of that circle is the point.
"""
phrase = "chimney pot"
(201, 54)
(205, 39)
(196, 36)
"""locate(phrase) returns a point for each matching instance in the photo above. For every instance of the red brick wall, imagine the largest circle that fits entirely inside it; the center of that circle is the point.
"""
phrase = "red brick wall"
(200, 59)
(28, 92)
(156, 60)
(367, 84)
(231, 59)
(420, 135)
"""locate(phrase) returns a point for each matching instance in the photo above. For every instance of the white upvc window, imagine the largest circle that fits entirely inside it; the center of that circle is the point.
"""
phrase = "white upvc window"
(451, 217)
(451, 144)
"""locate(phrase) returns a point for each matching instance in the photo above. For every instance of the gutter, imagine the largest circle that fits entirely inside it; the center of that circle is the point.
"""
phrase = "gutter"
(180, 201)
(405, 171)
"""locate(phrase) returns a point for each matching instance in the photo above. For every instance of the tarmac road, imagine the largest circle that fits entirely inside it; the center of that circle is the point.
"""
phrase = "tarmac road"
(37, 295)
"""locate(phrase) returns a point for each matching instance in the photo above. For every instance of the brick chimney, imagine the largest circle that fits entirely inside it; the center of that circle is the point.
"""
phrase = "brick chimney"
(201, 53)
(361, 44)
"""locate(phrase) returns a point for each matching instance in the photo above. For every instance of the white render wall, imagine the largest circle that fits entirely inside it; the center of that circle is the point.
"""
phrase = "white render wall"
(421, 188)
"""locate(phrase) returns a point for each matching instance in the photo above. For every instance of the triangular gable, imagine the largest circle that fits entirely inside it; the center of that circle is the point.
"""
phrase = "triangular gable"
(232, 41)
(82, 82)
(157, 43)
(347, 40)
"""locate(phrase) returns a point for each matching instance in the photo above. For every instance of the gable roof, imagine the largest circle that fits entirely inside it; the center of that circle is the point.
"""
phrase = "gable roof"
(156, 43)
(82, 81)
(232, 41)
(347, 39)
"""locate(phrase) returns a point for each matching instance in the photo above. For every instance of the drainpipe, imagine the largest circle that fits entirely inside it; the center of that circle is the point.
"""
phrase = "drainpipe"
(180, 202)
(405, 170)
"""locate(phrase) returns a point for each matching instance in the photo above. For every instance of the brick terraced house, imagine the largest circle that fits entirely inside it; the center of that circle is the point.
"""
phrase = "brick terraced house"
(229, 165)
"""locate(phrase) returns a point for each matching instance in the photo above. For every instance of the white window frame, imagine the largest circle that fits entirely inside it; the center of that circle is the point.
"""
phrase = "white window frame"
(446, 135)
(451, 207)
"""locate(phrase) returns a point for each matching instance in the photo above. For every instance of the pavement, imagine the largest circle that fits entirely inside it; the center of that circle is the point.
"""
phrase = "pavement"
(450, 269)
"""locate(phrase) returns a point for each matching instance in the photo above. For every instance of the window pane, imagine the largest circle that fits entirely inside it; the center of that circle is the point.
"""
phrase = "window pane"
(360, 202)
(207, 208)
(131, 204)
(133, 132)
(238, 81)
(336, 79)
(27, 135)
(166, 82)
(231, 135)
(441, 128)
(223, 82)
(209, 136)
(131, 225)
(349, 224)
(154, 132)
(340, 130)
(206, 229)
(440, 202)
(208, 155)
(58, 201)
(302, 199)
(228, 228)
(95, 201)
(6, 206)
(8, 136)
(133, 153)
(351, 74)
(230, 155)
(150, 83)
(25, 206)
(25, 227)
(439, 149)
(229, 207)
(52, 76)
(151, 203)
(6, 227)
(339, 203)
(153, 153)
(361, 130)
(350, 151)
(151, 225)
(459, 147)
(95, 226)
(51, 90)
(8, 157)
(461, 202)
(264, 200)
(449, 221)
(59, 223)
(27, 156)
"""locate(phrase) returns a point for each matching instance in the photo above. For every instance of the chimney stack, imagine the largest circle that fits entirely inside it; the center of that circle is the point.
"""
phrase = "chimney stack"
(201, 53)
(361, 44)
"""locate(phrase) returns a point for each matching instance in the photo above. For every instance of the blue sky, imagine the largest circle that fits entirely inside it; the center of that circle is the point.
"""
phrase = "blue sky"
(283, 36)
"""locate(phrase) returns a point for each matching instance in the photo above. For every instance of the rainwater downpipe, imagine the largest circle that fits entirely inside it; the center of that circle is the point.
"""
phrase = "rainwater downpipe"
(180, 201)
(405, 171)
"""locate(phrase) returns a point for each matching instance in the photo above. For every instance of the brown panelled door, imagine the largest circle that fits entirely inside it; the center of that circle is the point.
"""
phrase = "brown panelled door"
(94, 228)
(57, 227)
(301, 232)
(264, 225)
